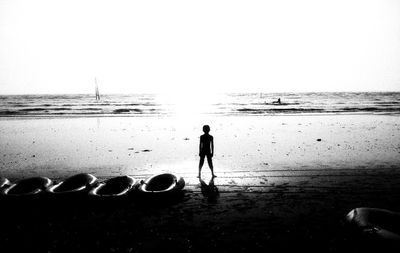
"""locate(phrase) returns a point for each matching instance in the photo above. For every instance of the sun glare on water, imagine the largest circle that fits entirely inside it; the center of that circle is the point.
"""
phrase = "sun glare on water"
(188, 104)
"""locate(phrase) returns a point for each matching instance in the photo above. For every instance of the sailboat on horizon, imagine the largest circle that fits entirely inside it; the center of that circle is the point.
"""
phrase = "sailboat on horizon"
(97, 90)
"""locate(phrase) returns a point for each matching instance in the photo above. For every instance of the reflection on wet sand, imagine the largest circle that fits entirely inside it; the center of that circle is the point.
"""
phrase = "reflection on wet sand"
(209, 191)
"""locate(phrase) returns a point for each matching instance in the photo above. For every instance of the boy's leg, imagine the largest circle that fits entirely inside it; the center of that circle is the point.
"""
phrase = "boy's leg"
(201, 164)
(210, 164)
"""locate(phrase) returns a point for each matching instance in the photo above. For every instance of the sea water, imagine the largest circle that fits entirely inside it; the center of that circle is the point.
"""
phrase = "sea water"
(229, 104)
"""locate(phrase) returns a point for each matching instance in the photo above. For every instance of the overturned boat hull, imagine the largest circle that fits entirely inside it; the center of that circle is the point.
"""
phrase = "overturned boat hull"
(76, 185)
(114, 188)
(27, 188)
(375, 228)
(162, 185)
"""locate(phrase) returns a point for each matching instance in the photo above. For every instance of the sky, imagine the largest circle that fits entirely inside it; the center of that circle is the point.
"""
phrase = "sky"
(53, 46)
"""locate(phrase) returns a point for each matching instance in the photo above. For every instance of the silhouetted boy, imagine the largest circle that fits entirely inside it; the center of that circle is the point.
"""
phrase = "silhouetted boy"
(206, 148)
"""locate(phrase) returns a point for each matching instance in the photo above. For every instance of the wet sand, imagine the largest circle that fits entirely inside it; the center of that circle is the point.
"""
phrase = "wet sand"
(279, 187)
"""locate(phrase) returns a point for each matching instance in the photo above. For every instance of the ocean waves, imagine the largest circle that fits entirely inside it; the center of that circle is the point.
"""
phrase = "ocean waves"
(227, 104)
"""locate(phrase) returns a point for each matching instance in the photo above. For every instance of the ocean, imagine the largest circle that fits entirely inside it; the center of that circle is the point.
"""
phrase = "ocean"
(229, 104)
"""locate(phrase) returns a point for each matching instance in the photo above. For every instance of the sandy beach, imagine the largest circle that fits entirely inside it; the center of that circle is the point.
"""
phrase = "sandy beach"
(284, 182)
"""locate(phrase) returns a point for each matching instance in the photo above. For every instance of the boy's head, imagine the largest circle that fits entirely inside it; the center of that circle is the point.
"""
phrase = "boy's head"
(206, 129)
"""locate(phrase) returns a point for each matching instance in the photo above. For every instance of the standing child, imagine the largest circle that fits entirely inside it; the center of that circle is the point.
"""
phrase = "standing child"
(206, 148)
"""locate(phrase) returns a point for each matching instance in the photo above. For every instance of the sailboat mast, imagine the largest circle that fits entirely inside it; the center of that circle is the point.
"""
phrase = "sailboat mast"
(97, 89)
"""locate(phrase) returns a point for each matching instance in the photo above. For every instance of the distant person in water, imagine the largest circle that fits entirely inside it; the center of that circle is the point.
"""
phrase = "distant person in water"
(206, 148)
(278, 101)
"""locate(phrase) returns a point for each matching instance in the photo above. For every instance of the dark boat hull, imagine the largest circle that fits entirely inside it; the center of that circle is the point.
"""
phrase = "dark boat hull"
(28, 187)
(74, 186)
(375, 228)
(114, 188)
(162, 187)
(26, 191)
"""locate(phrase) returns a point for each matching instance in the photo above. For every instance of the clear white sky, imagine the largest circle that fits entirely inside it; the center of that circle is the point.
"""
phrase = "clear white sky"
(53, 46)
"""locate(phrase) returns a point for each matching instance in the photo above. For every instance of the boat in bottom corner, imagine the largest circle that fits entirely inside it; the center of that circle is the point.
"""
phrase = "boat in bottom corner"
(162, 185)
(376, 226)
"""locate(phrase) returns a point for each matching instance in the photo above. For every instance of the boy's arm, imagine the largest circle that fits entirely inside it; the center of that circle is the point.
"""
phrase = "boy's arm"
(212, 146)
(200, 146)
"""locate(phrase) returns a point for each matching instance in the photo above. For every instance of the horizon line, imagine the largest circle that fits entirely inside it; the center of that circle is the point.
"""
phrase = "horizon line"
(230, 92)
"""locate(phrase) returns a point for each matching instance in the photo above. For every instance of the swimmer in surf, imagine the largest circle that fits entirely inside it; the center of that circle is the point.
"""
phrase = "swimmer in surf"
(206, 148)
(277, 102)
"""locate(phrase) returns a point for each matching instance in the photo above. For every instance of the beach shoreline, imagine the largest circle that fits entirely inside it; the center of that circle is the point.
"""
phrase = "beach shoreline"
(108, 146)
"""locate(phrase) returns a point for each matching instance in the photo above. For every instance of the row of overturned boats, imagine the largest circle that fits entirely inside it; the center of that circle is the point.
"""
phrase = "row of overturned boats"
(86, 185)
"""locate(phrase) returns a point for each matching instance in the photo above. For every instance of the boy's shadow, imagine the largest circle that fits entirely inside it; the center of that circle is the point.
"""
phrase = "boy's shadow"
(209, 191)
